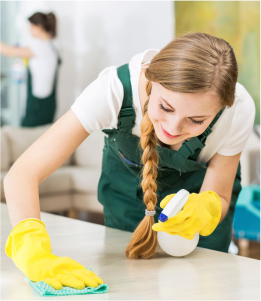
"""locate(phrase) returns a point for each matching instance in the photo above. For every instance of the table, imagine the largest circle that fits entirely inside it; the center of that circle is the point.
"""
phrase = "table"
(202, 275)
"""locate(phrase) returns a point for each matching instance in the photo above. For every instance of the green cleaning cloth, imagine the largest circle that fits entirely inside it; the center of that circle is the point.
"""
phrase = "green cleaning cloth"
(45, 289)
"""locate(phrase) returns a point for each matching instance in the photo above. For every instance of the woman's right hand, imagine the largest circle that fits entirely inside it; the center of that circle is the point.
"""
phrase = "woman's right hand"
(30, 248)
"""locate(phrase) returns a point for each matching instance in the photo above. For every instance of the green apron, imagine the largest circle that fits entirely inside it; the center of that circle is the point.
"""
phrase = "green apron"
(40, 111)
(119, 188)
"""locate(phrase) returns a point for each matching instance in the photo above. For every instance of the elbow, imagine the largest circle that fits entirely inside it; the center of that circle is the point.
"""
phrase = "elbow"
(4, 186)
(6, 181)
(11, 174)
(19, 173)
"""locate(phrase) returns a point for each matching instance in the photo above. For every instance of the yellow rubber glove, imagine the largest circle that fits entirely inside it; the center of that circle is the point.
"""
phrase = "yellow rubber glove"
(30, 248)
(201, 213)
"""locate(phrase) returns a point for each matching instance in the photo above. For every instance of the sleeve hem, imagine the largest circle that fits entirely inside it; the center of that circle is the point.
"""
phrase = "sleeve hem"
(229, 153)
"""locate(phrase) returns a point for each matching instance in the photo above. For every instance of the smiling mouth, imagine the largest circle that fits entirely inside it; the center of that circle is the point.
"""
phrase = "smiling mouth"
(167, 134)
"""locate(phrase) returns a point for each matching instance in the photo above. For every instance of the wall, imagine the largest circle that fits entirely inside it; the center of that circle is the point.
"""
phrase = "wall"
(12, 93)
(237, 22)
(95, 35)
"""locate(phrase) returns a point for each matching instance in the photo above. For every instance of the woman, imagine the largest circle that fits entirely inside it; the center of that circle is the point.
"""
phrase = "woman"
(177, 118)
(42, 71)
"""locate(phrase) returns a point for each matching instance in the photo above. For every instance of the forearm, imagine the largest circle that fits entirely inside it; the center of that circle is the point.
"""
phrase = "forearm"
(224, 210)
(37, 163)
(22, 195)
(6, 50)
(14, 51)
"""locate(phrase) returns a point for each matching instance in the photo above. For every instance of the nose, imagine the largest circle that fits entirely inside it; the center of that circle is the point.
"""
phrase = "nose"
(174, 126)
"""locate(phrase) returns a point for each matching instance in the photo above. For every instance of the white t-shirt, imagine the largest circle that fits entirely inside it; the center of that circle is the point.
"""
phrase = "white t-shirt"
(42, 66)
(99, 104)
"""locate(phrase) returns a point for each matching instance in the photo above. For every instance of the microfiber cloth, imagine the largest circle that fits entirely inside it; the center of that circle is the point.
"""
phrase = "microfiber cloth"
(45, 289)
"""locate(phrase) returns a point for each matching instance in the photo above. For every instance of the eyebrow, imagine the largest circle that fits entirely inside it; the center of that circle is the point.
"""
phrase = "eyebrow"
(188, 117)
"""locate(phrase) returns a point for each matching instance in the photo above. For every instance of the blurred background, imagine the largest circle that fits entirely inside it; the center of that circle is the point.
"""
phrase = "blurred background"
(91, 36)
(94, 35)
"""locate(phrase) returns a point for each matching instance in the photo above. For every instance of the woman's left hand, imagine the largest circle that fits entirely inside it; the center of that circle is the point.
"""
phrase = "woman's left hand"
(201, 213)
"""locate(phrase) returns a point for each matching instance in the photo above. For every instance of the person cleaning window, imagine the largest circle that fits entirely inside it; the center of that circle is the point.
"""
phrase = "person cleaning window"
(42, 71)
(174, 119)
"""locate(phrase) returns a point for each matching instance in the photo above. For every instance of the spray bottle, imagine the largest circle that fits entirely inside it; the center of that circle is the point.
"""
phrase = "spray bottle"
(175, 245)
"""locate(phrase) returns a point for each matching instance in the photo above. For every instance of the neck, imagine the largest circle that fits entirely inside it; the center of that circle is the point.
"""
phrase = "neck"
(44, 36)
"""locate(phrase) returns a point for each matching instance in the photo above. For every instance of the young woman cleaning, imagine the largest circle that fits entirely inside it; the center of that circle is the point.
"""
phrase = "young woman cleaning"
(42, 71)
(175, 118)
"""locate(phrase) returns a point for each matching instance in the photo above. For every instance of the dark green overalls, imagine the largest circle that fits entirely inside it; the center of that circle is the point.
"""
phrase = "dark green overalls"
(40, 111)
(119, 188)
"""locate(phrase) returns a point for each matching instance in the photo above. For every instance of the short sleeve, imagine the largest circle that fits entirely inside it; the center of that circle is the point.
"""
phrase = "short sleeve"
(35, 47)
(98, 106)
(241, 124)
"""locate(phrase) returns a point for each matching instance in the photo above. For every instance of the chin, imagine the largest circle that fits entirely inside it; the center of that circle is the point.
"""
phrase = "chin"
(163, 139)
(169, 141)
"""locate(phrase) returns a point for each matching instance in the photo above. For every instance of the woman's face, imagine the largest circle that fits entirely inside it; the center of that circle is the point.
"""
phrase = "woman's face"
(35, 29)
(187, 115)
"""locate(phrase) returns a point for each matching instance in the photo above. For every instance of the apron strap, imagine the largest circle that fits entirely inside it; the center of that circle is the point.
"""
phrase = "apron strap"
(56, 50)
(192, 148)
(127, 115)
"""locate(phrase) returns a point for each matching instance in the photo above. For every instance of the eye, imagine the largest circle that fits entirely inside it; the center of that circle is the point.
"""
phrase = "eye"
(168, 111)
(197, 122)
(162, 108)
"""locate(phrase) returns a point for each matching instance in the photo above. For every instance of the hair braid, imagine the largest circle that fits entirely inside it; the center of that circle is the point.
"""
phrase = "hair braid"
(144, 240)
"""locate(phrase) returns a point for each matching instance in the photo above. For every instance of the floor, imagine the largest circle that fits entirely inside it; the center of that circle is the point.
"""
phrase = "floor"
(248, 248)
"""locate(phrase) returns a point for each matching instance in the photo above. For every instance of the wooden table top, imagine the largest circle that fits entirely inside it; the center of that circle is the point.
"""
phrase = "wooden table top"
(202, 275)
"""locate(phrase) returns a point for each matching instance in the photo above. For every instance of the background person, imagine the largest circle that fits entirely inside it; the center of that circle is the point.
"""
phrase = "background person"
(42, 70)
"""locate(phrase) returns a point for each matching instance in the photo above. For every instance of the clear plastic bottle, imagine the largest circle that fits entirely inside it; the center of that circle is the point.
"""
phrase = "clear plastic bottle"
(18, 71)
(176, 245)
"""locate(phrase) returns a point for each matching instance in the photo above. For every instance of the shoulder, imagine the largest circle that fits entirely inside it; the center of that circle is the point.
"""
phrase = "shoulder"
(243, 108)
(42, 47)
(243, 100)
(34, 44)
(239, 121)
(108, 78)
(98, 106)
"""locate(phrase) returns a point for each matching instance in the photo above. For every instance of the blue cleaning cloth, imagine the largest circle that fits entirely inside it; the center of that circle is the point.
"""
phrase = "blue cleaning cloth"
(45, 289)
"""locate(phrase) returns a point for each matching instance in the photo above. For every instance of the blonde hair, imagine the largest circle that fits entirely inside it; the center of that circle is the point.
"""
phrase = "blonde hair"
(191, 63)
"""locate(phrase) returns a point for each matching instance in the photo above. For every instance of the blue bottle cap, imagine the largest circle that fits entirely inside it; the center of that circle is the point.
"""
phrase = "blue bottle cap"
(163, 218)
